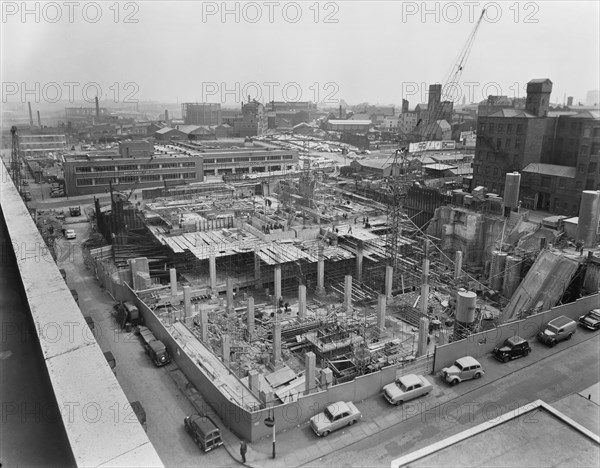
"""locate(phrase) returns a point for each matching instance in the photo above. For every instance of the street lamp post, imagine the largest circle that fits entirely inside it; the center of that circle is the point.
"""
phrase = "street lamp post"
(270, 422)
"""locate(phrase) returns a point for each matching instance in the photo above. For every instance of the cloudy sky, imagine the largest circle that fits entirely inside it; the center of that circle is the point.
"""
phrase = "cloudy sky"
(358, 51)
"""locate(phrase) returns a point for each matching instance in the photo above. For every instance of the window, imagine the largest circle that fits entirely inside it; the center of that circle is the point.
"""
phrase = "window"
(105, 180)
(581, 168)
(592, 167)
(491, 128)
(562, 183)
(189, 175)
(596, 132)
(583, 151)
(500, 128)
(578, 185)
(509, 128)
(495, 171)
(274, 158)
(586, 133)
(508, 143)
(545, 181)
(487, 170)
(104, 168)
(498, 143)
(170, 176)
(188, 164)
(519, 129)
(482, 129)
(127, 179)
(150, 166)
(288, 156)
(258, 158)
(150, 177)
(83, 169)
(128, 167)
(169, 165)
(209, 161)
(589, 184)
(517, 143)
(84, 182)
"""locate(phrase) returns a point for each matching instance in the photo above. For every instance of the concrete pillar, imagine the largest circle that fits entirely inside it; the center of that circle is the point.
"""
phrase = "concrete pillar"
(425, 287)
(253, 382)
(212, 267)
(187, 301)
(423, 334)
(204, 325)
(229, 284)
(326, 377)
(348, 292)
(302, 302)
(225, 349)
(251, 318)
(257, 272)
(381, 306)
(277, 281)
(359, 261)
(310, 364)
(276, 343)
(320, 291)
(389, 280)
(444, 337)
(458, 260)
(173, 276)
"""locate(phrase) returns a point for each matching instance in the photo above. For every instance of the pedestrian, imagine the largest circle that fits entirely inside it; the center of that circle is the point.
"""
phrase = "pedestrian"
(243, 450)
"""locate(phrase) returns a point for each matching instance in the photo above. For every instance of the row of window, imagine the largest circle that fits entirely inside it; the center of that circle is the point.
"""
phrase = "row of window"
(133, 179)
(500, 128)
(133, 167)
(245, 159)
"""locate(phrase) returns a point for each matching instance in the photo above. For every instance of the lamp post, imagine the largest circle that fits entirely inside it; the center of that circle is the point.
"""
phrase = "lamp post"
(270, 422)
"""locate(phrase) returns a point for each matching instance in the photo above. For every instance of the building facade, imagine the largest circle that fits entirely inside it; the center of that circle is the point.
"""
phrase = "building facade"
(201, 113)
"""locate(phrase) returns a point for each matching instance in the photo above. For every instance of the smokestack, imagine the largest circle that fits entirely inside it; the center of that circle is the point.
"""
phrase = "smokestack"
(340, 111)
(570, 101)
(30, 115)
(166, 115)
(39, 120)
(97, 108)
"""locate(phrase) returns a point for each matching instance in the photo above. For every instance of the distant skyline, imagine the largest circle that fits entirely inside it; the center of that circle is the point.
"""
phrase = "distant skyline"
(376, 52)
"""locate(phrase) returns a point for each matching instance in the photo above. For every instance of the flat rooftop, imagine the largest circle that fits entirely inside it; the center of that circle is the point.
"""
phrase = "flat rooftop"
(534, 435)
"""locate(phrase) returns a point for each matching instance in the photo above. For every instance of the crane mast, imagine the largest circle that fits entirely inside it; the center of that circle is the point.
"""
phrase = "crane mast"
(15, 160)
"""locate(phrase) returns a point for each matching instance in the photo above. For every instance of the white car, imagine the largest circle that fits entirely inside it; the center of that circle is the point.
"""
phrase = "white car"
(335, 416)
(465, 368)
(406, 388)
(70, 234)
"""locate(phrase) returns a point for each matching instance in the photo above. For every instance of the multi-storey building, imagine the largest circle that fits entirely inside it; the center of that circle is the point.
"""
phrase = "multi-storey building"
(253, 122)
(201, 113)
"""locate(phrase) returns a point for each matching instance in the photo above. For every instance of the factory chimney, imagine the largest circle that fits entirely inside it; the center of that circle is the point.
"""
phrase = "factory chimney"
(39, 120)
(166, 115)
(30, 115)
(569, 101)
(97, 109)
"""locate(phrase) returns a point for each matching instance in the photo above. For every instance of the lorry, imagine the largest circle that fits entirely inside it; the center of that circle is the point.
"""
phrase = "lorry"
(75, 210)
(128, 315)
(156, 349)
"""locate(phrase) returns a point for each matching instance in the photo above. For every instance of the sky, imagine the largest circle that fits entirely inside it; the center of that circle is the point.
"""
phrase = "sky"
(357, 51)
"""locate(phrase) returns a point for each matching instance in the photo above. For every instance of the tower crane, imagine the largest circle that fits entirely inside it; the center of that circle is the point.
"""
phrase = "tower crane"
(15, 160)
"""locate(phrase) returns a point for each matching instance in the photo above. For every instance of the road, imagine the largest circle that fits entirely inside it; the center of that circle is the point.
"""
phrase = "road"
(570, 369)
(165, 405)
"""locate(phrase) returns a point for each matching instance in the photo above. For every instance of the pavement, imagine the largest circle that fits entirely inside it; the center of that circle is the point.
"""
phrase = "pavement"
(300, 446)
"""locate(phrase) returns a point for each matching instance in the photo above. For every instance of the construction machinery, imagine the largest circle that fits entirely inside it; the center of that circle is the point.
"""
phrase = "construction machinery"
(154, 348)
(15, 160)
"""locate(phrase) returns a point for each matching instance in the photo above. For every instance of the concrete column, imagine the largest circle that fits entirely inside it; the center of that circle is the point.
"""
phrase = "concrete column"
(348, 292)
(423, 333)
(277, 281)
(320, 277)
(443, 337)
(359, 261)
(204, 325)
(173, 276)
(253, 382)
(425, 287)
(458, 260)
(187, 301)
(212, 266)
(257, 273)
(226, 349)
(389, 280)
(251, 318)
(326, 377)
(302, 302)
(229, 284)
(381, 306)
(276, 343)
(310, 364)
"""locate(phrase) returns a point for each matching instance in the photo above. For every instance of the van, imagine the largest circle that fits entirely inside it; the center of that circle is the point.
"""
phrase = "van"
(204, 431)
(128, 312)
(139, 411)
(559, 329)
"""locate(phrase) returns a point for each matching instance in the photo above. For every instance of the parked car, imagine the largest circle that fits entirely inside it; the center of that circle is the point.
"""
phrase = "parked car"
(204, 431)
(335, 416)
(512, 348)
(465, 368)
(75, 295)
(406, 388)
(559, 329)
(25, 182)
(591, 320)
(70, 234)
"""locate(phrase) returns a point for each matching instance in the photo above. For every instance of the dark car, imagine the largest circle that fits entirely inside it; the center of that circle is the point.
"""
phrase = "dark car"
(591, 320)
(204, 431)
(512, 348)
